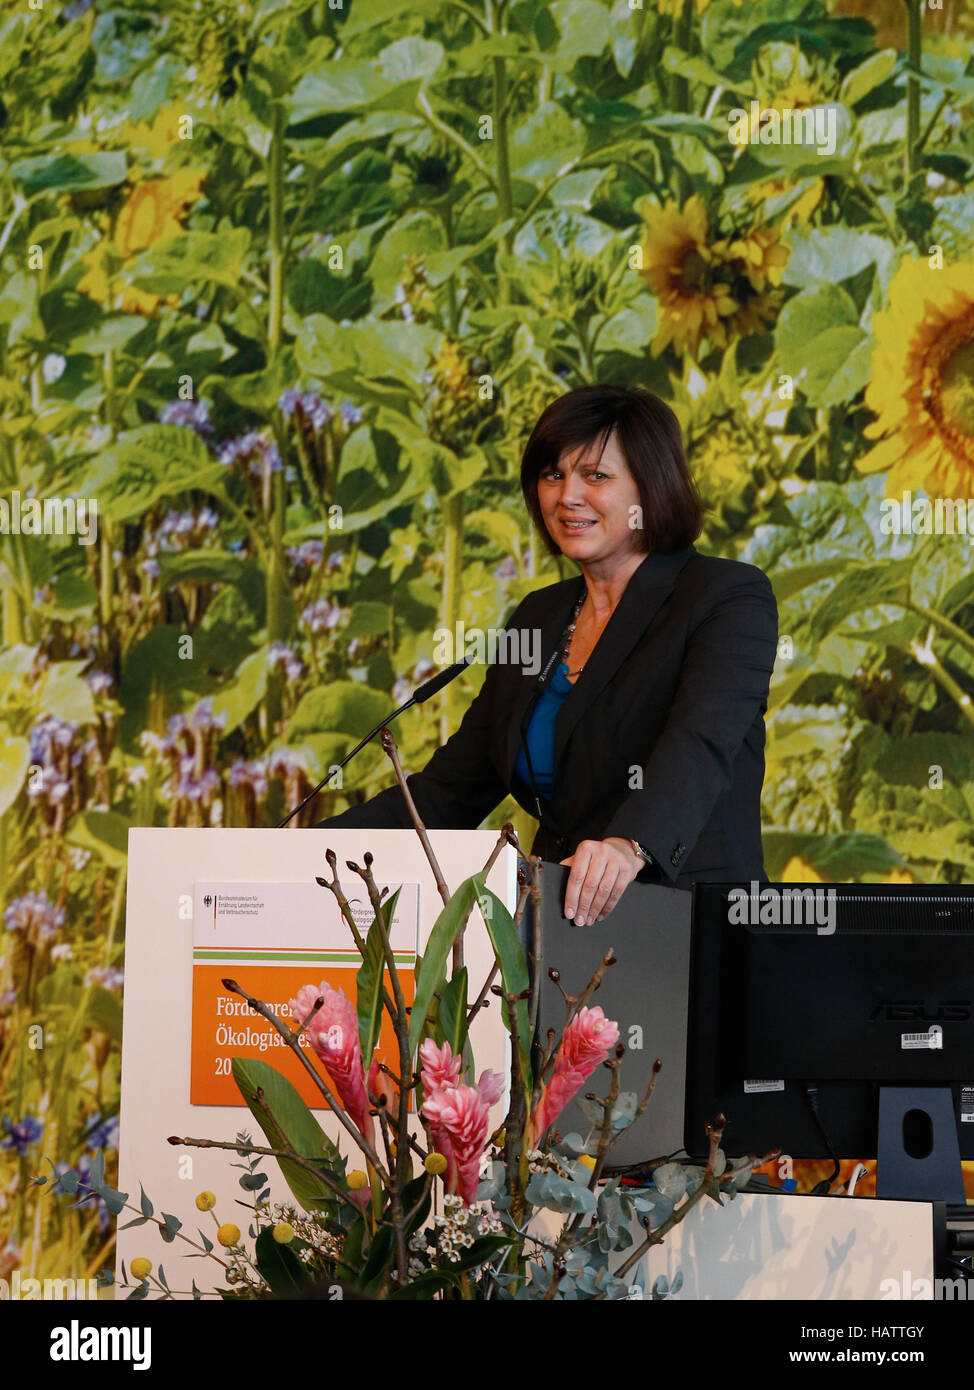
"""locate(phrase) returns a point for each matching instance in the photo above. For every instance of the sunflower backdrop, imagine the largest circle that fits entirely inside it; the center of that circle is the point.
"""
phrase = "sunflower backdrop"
(284, 286)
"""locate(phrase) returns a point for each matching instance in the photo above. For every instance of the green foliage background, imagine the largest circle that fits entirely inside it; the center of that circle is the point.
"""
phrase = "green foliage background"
(430, 220)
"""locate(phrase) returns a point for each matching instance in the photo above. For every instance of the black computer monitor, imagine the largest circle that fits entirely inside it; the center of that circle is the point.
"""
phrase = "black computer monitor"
(810, 1002)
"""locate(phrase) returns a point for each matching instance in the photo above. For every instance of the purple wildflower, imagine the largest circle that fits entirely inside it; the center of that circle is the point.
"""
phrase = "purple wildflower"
(23, 1134)
(194, 415)
(35, 915)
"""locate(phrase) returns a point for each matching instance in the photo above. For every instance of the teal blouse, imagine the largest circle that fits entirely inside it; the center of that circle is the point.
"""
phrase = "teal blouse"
(540, 734)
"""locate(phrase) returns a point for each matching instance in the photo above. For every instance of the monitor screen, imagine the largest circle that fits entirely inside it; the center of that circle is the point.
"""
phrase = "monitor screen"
(846, 987)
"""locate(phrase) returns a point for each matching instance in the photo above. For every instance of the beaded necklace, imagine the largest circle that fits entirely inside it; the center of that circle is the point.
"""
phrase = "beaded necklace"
(570, 631)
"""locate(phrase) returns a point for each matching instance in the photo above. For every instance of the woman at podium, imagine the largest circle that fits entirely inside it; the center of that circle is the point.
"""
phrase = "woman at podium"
(638, 742)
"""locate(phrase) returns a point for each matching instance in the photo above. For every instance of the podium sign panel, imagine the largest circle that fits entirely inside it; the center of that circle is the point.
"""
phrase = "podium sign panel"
(168, 1049)
(272, 938)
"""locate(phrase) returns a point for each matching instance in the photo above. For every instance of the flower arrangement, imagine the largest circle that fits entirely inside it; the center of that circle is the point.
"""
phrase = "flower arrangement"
(454, 1200)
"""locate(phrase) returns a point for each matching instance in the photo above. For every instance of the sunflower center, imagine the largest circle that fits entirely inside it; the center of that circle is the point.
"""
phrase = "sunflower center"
(693, 271)
(957, 389)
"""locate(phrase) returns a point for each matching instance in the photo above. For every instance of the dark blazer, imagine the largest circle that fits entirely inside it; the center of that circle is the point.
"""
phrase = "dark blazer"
(661, 738)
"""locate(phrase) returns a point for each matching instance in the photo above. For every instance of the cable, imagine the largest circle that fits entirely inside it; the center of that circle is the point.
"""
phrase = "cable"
(823, 1188)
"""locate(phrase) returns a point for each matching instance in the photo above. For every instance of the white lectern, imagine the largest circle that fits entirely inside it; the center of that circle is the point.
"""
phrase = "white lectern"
(171, 874)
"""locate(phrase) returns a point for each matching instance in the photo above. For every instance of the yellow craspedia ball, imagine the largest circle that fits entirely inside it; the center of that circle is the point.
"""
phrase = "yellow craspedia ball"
(141, 1268)
(283, 1233)
(435, 1164)
(205, 1201)
(228, 1234)
(587, 1161)
(356, 1180)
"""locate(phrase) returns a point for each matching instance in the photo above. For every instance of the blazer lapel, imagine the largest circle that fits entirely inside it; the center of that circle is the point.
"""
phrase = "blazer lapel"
(649, 586)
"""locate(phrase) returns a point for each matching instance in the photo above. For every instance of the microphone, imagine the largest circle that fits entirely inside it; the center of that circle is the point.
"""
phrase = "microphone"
(418, 697)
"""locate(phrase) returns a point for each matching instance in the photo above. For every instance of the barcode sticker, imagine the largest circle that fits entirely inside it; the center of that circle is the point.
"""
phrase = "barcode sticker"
(933, 1038)
(752, 1087)
(967, 1105)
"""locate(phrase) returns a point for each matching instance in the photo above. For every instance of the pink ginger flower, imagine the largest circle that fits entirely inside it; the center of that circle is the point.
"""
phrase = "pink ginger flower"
(439, 1066)
(490, 1087)
(457, 1115)
(459, 1125)
(333, 1033)
(587, 1041)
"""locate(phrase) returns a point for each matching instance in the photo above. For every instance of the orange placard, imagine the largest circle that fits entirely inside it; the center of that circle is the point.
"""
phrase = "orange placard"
(224, 1026)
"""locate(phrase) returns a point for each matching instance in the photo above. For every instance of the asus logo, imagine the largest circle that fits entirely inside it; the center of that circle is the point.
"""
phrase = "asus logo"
(915, 1011)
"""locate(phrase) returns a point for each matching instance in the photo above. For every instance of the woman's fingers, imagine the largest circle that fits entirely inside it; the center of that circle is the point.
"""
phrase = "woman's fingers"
(600, 874)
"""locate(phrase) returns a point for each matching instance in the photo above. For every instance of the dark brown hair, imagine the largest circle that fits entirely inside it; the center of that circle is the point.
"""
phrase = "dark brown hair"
(648, 433)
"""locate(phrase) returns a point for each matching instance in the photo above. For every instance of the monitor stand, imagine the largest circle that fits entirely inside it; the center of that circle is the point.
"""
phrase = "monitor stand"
(918, 1156)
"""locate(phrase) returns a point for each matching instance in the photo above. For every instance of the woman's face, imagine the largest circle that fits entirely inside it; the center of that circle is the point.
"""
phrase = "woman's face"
(591, 505)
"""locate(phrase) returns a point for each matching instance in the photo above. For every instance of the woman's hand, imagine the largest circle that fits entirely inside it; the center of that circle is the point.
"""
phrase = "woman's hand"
(602, 870)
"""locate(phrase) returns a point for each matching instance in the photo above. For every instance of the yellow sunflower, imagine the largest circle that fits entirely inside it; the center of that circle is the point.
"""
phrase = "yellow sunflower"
(158, 137)
(450, 369)
(150, 214)
(675, 7)
(762, 256)
(797, 870)
(922, 387)
(800, 210)
(683, 270)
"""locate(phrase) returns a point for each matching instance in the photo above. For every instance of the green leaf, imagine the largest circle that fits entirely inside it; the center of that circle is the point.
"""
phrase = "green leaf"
(14, 762)
(861, 80)
(820, 342)
(380, 1260)
(67, 172)
(370, 980)
(279, 1266)
(411, 58)
(149, 463)
(849, 855)
(826, 255)
(111, 335)
(510, 956)
(452, 1017)
(369, 620)
(792, 579)
(861, 587)
(106, 833)
(65, 694)
(114, 1200)
(240, 697)
(346, 707)
(431, 976)
(104, 1013)
(190, 257)
(342, 84)
(173, 1224)
(843, 368)
(584, 30)
(199, 567)
(287, 1122)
